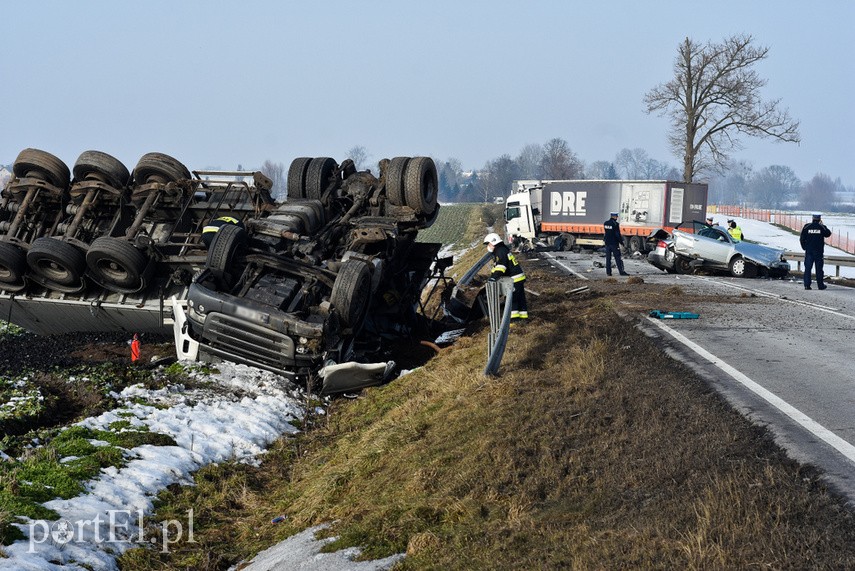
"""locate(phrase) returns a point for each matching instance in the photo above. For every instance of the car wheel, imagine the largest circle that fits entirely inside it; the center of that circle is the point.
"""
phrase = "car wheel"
(682, 265)
(740, 268)
(117, 264)
(56, 261)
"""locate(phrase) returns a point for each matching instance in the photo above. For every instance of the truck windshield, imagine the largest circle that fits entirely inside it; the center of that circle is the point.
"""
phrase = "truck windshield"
(511, 213)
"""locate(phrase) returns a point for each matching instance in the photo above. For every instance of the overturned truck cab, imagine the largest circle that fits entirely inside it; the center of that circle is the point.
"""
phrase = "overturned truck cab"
(318, 285)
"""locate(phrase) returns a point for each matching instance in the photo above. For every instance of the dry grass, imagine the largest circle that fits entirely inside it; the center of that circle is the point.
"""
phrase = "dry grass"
(591, 451)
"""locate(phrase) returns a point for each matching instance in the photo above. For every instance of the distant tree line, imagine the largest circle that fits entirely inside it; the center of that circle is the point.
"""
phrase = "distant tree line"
(734, 182)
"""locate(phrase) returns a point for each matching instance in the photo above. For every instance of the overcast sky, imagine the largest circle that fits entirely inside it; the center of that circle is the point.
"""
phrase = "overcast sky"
(217, 84)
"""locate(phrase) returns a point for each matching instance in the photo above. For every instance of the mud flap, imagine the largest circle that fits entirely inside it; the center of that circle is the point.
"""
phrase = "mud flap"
(185, 347)
(352, 376)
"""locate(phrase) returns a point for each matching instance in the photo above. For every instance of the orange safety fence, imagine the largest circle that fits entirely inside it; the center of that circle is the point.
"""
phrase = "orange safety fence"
(789, 220)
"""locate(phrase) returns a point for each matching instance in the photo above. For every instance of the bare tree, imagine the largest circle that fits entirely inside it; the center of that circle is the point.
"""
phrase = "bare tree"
(713, 97)
(529, 161)
(359, 156)
(818, 194)
(773, 186)
(601, 170)
(276, 173)
(559, 162)
(630, 163)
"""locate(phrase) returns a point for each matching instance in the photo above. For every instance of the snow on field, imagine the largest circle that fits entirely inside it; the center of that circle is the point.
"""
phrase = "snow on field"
(771, 235)
(245, 410)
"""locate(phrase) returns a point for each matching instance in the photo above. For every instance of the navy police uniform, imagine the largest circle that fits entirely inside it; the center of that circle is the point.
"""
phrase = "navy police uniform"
(812, 240)
(613, 241)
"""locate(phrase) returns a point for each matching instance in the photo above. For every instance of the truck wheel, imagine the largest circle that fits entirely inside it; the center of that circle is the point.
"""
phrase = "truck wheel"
(42, 165)
(101, 166)
(318, 176)
(740, 268)
(421, 185)
(227, 242)
(57, 261)
(395, 180)
(157, 167)
(297, 177)
(116, 262)
(682, 265)
(13, 264)
(351, 292)
(636, 244)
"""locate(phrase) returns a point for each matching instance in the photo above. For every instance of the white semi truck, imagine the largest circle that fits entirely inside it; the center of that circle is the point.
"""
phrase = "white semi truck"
(570, 213)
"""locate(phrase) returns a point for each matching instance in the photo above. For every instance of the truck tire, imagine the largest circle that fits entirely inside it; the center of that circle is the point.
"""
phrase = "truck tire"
(103, 167)
(42, 165)
(421, 185)
(636, 244)
(297, 177)
(351, 292)
(157, 167)
(395, 180)
(116, 263)
(318, 176)
(13, 264)
(56, 261)
(741, 268)
(227, 242)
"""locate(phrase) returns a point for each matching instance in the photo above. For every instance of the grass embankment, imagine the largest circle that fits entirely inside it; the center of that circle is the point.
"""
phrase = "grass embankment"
(592, 450)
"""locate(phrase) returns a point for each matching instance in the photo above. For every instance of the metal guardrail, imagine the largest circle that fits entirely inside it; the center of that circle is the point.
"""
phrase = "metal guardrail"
(500, 322)
(836, 261)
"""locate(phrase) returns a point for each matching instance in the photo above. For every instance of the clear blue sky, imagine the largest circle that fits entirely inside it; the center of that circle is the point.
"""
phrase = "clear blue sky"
(217, 84)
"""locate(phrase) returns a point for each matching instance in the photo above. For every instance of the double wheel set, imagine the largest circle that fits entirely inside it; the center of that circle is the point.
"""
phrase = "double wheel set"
(55, 230)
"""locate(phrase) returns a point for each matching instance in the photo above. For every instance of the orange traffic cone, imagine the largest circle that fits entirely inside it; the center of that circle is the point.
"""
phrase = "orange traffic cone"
(135, 349)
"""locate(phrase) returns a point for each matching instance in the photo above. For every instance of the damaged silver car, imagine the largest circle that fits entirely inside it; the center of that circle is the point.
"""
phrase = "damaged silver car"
(711, 247)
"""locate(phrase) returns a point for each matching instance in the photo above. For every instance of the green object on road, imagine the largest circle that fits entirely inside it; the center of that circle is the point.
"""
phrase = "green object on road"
(673, 314)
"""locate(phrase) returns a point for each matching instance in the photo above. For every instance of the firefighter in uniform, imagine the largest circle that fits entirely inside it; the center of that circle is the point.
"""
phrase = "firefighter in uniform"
(812, 240)
(211, 228)
(614, 241)
(505, 264)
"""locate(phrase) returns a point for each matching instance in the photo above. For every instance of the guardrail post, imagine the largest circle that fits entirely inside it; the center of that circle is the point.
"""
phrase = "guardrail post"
(500, 322)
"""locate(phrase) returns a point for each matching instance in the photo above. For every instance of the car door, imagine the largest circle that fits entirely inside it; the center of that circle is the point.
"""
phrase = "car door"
(714, 245)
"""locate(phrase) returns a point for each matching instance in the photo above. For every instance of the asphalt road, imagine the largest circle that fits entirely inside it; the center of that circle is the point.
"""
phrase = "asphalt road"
(782, 356)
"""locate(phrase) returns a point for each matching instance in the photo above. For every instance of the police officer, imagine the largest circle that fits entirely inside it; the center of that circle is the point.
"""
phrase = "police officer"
(710, 221)
(211, 228)
(613, 241)
(734, 230)
(505, 264)
(812, 240)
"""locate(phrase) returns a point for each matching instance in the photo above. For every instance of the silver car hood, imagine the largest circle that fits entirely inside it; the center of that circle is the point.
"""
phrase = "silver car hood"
(765, 255)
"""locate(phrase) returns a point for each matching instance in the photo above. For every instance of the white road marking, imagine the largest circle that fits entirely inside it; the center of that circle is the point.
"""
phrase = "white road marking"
(761, 293)
(566, 267)
(839, 444)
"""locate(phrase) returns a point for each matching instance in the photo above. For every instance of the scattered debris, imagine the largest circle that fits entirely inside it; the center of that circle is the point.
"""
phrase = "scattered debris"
(673, 314)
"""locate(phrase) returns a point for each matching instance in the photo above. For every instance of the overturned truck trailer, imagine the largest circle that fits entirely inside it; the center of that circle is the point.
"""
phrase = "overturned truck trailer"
(314, 285)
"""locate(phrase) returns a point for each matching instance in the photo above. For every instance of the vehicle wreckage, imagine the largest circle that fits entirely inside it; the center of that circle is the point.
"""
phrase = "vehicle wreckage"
(309, 287)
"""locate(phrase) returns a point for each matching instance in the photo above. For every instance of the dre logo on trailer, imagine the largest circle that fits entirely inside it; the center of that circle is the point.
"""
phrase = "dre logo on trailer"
(568, 203)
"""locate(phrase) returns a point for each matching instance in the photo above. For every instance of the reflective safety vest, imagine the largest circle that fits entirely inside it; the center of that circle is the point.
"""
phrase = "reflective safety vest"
(506, 264)
(212, 227)
(735, 233)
